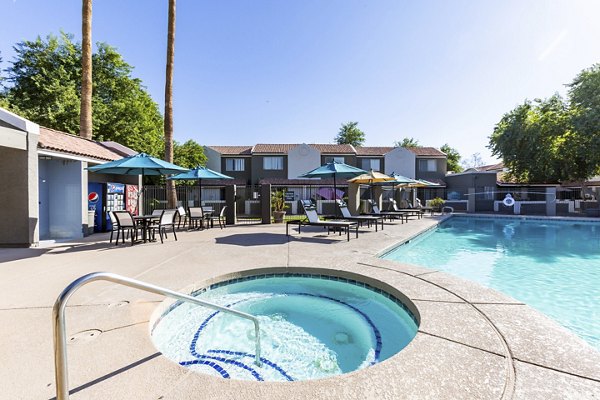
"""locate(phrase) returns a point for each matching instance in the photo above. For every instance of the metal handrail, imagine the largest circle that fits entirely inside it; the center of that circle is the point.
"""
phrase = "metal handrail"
(58, 319)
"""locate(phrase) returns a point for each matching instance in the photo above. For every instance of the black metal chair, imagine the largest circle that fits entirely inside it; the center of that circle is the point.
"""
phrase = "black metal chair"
(167, 219)
(126, 224)
(219, 218)
(196, 218)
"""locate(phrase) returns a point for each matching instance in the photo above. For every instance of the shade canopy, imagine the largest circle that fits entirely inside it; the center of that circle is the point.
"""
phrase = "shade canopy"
(199, 173)
(139, 164)
(334, 169)
(428, 183)
(371, 177)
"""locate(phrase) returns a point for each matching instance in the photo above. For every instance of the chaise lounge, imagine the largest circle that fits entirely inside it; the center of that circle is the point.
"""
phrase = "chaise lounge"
(359, 218)
(312, 219)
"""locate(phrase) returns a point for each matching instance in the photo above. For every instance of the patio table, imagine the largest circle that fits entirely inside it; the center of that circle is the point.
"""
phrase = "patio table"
(145, 221)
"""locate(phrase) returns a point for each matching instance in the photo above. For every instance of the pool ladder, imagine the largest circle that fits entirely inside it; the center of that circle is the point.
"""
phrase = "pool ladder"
(58, 320)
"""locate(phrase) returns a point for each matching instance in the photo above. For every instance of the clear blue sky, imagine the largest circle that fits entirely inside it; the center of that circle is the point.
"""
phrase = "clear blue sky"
(276, 71)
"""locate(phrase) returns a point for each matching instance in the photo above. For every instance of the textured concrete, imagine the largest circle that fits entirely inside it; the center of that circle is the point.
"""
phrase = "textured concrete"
(473, 342)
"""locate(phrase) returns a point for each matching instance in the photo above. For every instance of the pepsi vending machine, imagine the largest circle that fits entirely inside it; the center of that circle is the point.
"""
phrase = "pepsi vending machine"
(115, 200)
(96, 203)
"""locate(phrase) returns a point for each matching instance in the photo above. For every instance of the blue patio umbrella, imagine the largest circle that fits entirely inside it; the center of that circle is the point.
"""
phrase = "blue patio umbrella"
(138, 164)
(198, 174)
(334, 169)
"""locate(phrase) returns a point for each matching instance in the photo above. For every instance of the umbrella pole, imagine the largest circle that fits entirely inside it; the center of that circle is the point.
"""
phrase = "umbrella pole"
(334, 196)
(200, 195)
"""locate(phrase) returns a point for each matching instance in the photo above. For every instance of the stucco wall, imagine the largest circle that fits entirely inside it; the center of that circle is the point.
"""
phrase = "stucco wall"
(213, 159)
(14, 197)
(61, 199)
(400, 161)
(301, 159)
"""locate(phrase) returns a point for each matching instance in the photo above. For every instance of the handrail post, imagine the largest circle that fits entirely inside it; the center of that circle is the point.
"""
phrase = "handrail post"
(58, 320)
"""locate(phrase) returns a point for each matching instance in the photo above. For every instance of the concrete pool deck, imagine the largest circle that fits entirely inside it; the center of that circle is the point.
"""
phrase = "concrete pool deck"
(472, 343)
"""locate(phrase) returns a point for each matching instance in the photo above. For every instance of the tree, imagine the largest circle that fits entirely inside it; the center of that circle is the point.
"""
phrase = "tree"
(85, 124)
(408, 143)
(474, 161)
(43, 85)
(189, 154)
(453, 158)
(583, 147)
(350, 134)
(531, 140)
(171, 193)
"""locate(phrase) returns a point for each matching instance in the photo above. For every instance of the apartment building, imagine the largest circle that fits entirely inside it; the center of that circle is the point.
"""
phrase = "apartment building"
(284, 163)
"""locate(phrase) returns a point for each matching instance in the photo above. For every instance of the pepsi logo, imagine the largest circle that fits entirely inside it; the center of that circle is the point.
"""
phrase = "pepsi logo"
(93, 197)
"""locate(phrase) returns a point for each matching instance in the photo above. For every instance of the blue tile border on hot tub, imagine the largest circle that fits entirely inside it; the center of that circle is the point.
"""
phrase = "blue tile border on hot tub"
(292, 275)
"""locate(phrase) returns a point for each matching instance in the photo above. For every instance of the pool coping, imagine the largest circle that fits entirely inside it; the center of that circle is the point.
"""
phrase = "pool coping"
(473, 342)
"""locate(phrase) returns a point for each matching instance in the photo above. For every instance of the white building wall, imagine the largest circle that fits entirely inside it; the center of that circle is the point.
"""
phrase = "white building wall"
(402, 162)
(213, 159)
(301, 159)
(64, 193)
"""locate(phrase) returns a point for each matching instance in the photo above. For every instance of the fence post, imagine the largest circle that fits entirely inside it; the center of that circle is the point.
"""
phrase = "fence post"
(471, 201)
(551, 201)
(265, 203)
(230, 212)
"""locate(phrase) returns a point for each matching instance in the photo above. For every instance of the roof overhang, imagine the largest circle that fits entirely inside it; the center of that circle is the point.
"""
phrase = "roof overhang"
(67, 156)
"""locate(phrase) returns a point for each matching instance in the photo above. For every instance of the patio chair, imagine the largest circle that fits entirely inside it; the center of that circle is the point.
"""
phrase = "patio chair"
(126, 225)
(410, 211)
(182, 215)
(387, 214)
(359, 218)
(167, 220)
(196, 218)
(219, 218)
(115, 226)
(312, 219)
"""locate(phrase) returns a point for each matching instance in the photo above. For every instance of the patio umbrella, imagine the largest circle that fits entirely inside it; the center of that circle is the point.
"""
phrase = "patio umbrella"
(138, 164)
(334, 169)
(370, 178)
(198, 174)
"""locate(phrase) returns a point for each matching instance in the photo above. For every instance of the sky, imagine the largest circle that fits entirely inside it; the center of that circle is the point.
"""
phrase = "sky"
(272, 71)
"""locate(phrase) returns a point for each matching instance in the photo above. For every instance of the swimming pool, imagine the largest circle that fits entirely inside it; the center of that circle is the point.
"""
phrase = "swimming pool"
(311, 326)
(551, 265)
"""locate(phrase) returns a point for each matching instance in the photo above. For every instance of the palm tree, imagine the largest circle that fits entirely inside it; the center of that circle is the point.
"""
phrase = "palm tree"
(85, 117)
(171, 194)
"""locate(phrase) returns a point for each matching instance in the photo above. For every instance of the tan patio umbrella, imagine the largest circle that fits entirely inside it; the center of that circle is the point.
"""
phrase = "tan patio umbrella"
(370, 178)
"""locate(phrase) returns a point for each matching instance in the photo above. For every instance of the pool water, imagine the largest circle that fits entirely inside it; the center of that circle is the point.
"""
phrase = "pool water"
(553, 266)
(310, 328)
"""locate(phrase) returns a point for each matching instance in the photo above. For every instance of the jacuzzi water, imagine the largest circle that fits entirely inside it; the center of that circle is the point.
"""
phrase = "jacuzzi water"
(553, 266)
(311, 327)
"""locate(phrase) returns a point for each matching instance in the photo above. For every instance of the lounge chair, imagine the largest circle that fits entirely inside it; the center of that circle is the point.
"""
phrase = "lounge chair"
(312, 219)
(387, 214)
(411, 211)
(359, 218)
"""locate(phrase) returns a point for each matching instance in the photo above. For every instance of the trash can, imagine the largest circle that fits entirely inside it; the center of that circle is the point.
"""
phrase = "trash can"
(91, 221)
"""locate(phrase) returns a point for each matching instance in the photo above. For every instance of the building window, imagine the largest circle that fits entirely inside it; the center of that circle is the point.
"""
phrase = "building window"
(427, 165)
(234, 164)
(371, 163)
(273, 163)
(339, 159)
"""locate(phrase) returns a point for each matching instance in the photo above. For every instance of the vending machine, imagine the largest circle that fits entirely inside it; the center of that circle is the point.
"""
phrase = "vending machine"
(115, 200)
(96, 204)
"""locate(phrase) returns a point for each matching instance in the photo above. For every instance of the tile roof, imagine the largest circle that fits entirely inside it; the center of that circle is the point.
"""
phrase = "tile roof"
(427, 151)
(273, 148)
(492, 167)
(232, 150)
(67, 143)
(334, 148)
(373, 151)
